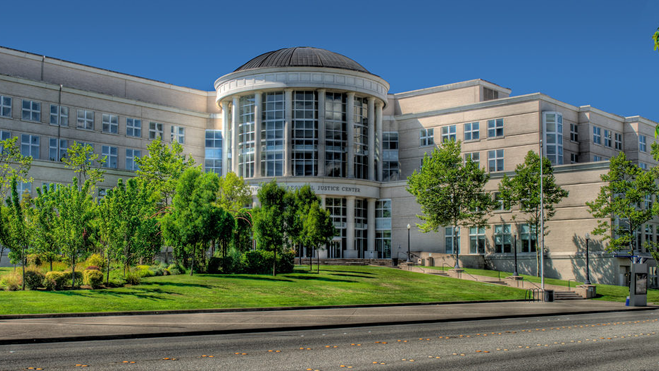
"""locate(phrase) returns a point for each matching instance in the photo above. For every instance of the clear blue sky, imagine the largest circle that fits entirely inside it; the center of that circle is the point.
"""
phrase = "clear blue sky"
(580, 51)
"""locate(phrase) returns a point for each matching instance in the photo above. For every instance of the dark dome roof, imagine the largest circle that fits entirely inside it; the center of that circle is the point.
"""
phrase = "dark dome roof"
(302, 56)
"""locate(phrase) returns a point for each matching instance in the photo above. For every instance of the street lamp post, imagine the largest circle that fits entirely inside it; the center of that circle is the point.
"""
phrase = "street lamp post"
(587, 282)
(408, 243)
(515, 274)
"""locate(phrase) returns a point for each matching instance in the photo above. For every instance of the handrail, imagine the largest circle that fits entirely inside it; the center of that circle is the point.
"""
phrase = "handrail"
(568, 284)
(538, 287)
(476, 279)
(533, 294)
(447, 266)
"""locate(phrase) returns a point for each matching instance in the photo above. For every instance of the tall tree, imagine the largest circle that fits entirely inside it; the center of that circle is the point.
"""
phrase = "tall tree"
(233, 193)
(450, 192)
(43, 233)
(317, 228)
(270, 219)
(523, 189)
(17, 236)
(85, 164)
(620, 203)
(194, 217)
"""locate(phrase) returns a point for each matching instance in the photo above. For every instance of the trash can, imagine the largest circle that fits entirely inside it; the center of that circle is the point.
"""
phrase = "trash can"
(549, 295)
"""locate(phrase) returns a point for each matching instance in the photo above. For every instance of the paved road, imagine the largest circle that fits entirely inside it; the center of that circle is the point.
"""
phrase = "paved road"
(604, 341)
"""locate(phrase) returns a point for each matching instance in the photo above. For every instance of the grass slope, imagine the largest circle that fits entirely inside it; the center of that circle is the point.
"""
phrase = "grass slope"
(335, 285)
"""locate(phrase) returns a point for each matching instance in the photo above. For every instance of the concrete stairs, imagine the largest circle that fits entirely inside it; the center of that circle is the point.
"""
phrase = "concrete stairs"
(567, 295)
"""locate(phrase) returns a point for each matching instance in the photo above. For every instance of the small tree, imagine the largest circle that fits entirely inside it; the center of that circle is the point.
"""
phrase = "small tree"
(450, 192)
(233, 193)
(524, 190)
(85, 164)
(18, 231)
(318, 228)
(619, 205)
(43, 225)
(270, 219)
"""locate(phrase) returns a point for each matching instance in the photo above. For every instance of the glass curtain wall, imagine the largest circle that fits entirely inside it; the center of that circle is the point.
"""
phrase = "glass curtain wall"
(338, 210)
(383, 229)
(213, 153)
(360, 135)
(272, 135)
(360, 227)
(305, 133)
(246, 136)
(336, 137)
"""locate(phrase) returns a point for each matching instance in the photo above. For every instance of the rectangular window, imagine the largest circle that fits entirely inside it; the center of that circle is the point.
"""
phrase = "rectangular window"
(608, 138)
(573, 158)
(502, 239)
(574, 133)
(390, 165)
(642, 143)
(31, 111)
(618, 141)
(528, 238)
(24, 188)
(450, 239)
(597, 158)
(427, 137)
(495, 160)
(336, 137)
(448, 133)
(133, 128)
(495, 128)
(59, 115)
(476, 240)
(649, 233)
(472, 131)
(53, 149)
(597, 135)
(500, 205)
(178, 134)
(110, 124)
(30, 146)
(5, 106)
(643, 165)
(213, 154)
(648, 202)
(131, 159)
(305, 134)
(272, 135)
(155, 130)
(383, 229)
(85, 119)
(4, 135)
(475, 157)
(110, 154)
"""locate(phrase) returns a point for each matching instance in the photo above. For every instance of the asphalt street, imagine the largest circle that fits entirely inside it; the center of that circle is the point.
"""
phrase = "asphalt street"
(599, 341)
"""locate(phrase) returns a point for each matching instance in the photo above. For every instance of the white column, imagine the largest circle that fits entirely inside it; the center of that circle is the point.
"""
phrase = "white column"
(378, 130)
(321, 132)
(350, 251)
(234, 128)
(288, 130)
(371, 138)
(225, 138)
(257, 134)
(350, 116)
(323, 199)
(370, 232)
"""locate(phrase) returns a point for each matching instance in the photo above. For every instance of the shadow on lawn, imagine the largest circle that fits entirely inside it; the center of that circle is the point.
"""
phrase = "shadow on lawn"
(144, 294)
(351, 275)
(178, 284)
(322, 278)
(259, 278)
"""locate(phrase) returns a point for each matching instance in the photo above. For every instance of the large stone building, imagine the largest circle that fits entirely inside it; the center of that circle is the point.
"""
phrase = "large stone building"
(311, 116)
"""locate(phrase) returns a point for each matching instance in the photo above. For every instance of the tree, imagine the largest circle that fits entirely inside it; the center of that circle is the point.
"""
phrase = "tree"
(298, 209)
(73, 227)
(620, 203)
(233, 193)
(194, 217)
(656, 39)
(85, 164)
(162, 168)
(18, 231)
(43, 225)
(523, 189)
(269, 219)
(450, 191)
(317, 228)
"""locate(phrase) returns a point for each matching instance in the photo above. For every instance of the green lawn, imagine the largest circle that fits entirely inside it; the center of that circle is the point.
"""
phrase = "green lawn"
(334, 285)
(604, 292)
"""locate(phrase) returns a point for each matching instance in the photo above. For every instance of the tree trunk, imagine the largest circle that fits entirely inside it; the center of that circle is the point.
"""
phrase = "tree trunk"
(538, 247)
(274, 264)
(107, 279)
(73, 273)
(51, 264)
(318, 262)
(310, 262)
(23, 258)
(194, 250)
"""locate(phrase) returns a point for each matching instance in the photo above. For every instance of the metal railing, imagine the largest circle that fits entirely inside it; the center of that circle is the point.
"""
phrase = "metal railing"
(533, 294)
(568, 284)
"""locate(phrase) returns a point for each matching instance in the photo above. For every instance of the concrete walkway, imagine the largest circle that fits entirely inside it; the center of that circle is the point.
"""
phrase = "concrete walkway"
(91, 327)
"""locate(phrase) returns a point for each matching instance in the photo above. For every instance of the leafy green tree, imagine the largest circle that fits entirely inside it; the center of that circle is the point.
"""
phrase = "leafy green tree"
(85, 164)
(73, 227)
(43, 223)
(620, 203)
(234, 193)
(243, 231)
(18, 231)
(270, 219)
(450, 191)
(523, 189)
(655, 37)
(317, 228)
(298, 206)
(162, 168)
(12, 164)
(193, 220)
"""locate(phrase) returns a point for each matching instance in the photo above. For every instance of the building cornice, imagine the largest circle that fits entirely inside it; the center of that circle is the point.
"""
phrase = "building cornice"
(454, 86)
(601, 113)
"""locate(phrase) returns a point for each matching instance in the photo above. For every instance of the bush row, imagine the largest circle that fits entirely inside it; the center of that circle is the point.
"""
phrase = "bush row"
(252, 262)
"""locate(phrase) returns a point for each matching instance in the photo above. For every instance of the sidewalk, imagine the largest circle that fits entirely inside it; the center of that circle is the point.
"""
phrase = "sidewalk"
(103, 327)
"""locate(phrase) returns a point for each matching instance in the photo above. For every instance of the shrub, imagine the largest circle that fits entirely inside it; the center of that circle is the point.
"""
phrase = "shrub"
(34, 259)
(133, 278)
(34, 278)
(11, 281)
(78, 278)
(55, 280)
(174, 271)
(255, 262)
(286, 261)
(96, 260)
(93, 278)
(144, 271)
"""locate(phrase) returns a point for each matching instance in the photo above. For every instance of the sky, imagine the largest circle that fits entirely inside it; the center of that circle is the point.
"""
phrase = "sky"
(582, 52)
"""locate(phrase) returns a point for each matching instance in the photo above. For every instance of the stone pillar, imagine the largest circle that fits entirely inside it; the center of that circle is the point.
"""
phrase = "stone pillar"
(378, 130)
(323, 199)
(257, 134)
(321, 132)
(371, 138)
(370, 232)
(288, 132)
(350, 117)
(225, 138)
(350, 251)
(234, 129)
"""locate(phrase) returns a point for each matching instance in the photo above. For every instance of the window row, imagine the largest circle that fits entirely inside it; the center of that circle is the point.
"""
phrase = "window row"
(471, 132)
(503, 239)
(59, 115)
(610, 138)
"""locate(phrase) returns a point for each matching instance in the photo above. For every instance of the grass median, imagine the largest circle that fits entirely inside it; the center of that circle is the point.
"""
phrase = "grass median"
(335, 285)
